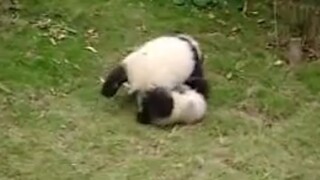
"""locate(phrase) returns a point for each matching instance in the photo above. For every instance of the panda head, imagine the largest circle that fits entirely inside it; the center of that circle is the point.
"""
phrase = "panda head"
(155, 103)
(113, 81)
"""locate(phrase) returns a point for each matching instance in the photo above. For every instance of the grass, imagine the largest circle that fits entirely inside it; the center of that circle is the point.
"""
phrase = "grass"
(262, 122)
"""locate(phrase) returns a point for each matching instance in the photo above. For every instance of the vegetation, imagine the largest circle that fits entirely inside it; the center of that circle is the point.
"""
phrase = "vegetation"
(263, 117)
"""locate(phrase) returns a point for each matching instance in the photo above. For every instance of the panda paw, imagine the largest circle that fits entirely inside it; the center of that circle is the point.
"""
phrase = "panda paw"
(143, 118)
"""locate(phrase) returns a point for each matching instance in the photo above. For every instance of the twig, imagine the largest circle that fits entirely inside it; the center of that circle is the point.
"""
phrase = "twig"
(276, 32)
(4, 88)
(245, 8)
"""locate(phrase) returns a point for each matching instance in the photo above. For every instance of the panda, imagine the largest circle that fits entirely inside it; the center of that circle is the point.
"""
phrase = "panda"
(166, 61)
(163, 107)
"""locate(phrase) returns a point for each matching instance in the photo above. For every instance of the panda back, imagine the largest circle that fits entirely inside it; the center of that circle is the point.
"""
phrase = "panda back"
(164, 61)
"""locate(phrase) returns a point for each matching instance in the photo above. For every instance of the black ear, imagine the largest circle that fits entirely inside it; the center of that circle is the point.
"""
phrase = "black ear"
(160, 103)
(113, 81)
(157, 103)
(200, 85)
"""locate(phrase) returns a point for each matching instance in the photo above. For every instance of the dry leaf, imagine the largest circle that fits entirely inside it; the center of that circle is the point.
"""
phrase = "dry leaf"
(101, 80)
(70, 30)
(55, 31)
(63, 126)
(278, 63)
(42, 114)
(254, 12)
(91, 31)
(229, 75)
(261, 21)
(223, 23)
(76, 66)
(235, 29)
(211, 16)
(53, 42)
(4, 88)
(200, 160)
(92, 49)
(178, 165)
(61, 36)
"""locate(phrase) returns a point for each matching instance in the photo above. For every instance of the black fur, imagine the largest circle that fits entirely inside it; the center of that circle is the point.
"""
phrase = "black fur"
(196, 80)
(143, 117)
(157, 103)
(198, 70)
(113, 81)
(200, 85)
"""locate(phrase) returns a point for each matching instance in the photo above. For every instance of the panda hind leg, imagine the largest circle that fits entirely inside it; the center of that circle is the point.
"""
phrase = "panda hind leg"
(113, 81)
(200, 85)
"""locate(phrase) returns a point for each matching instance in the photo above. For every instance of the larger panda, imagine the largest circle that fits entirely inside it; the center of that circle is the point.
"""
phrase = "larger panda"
(166, 61)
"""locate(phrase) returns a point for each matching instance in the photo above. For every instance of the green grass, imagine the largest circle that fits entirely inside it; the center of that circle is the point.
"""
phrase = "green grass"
(262, 122)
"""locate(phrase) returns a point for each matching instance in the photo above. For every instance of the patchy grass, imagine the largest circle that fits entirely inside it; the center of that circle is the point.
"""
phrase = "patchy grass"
(262, 123)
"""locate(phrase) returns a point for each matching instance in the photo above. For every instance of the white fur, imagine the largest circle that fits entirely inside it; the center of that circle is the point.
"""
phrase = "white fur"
(189, 107)
(193, 42)
(164, 61)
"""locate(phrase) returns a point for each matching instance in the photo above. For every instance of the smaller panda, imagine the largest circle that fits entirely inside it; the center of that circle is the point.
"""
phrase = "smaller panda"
(163, 107)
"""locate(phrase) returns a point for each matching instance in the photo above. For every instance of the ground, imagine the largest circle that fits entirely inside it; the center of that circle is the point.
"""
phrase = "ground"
(262, 122)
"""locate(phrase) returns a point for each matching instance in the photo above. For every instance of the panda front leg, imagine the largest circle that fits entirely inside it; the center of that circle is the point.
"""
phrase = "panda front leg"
(113, 81)
(143, 115)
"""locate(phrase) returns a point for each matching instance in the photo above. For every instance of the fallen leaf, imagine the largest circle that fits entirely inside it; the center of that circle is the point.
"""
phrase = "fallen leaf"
(101, 80)
(42, 114)
(76, 66)
(254, 12)
(70, 30)
(200, 160)
(92, 49)
(91, 31)
(235, 29)
(53, 42)
(278, 63)
(141, 4)
(4, 88)
(261, 21)
(61, 36)
(178, 165)
(142, 28)
(66, 61)
(231, 37)
(63, 126)
(43, 23)
(53, 91)
(229, 75)
(240, 65)
(211, 16)
(221, 22)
